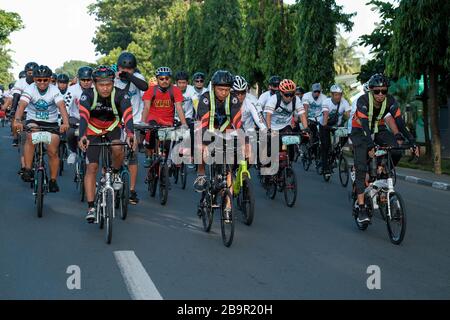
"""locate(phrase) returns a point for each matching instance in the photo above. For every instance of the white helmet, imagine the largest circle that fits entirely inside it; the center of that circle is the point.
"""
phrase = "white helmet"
(240, 84)
(335, 88)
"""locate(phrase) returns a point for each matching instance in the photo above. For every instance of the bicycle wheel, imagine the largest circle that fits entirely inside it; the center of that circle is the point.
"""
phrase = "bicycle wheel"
(81, 182)
(109, 213)
(227, 223)
(99, 210)
(344, 174)
(305, 156)
(152, 182)
(271, 188)
(183, 174)
(39, 192)
(61, 155)
(396, 224)
(206, 212)
(163, 184)
(247, 201)
(290, 187)
(175, 173)
(124, 194)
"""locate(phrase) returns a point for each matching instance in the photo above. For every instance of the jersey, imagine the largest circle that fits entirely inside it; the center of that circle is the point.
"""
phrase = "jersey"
(135, 95)
(101, 116)
(42, 106)
(196, 98)
(72, 100)
(314, 106)
(282, 114)
(188, 105)
(162, 107)
(251, 114)
(264, 98)
(220, 116)
(335, 111)
(20, 86)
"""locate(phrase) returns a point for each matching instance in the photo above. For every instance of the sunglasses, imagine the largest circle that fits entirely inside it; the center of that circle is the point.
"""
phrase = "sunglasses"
(199, 81)
(44, 80)
(85, 80)
(378, 91)
(241, 93)
(317, 91)
(289, 95)
(164, 78)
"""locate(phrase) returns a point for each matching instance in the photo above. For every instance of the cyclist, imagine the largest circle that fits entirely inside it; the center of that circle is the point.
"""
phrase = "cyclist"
(62, 81)
(101, 111)
(54, 78)
(334, 110)
(300, 92)
(42, 102)
(198, 80)
(283, 109)
(22, 74)
(19, 88)
(274, 83)
(72, 101)
(375, 111)
(160, 103)
(218, 110)
(134, 83)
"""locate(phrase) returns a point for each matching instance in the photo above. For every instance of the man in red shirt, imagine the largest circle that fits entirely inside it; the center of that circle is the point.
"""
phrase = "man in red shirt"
(160, 102)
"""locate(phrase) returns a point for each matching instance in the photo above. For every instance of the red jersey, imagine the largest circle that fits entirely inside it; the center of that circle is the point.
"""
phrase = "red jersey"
(162, 109)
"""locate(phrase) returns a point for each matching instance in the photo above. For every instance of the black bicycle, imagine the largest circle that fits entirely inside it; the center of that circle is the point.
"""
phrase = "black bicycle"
(310, 150)
(106, 191)
(336, 158)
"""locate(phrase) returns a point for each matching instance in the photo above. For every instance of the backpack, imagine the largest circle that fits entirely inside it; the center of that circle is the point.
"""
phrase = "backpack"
(279, 103)
(172, 98)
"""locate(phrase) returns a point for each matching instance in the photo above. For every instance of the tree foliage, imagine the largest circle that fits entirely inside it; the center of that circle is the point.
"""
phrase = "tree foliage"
(71, 67)
(9, 22)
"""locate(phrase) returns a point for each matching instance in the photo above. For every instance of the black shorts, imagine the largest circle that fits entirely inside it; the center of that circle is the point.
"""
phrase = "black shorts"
(93, 153)
(43, 124)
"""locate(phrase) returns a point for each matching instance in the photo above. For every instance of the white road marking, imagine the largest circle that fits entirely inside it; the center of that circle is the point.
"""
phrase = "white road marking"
(139, 284)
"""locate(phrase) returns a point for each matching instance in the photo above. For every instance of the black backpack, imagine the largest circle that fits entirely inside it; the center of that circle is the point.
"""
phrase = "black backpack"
(279, 103)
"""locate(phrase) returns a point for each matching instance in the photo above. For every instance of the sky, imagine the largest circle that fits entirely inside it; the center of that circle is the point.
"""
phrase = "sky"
(69, 30)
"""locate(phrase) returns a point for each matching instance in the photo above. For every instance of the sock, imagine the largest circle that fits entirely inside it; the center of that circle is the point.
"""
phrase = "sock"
(90, 204)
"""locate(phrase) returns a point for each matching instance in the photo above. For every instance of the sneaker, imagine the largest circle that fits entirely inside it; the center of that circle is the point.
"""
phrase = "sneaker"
(227, 215)
(27, 175)
(117, 182)
(53, 186)
(134, 200)
(200, 183)
(90, 217)
(363, 217)
(21, 171)
(72, 158)
(15, 142)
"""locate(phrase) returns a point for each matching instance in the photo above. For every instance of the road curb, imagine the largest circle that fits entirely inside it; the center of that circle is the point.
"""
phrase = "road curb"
(434, 184)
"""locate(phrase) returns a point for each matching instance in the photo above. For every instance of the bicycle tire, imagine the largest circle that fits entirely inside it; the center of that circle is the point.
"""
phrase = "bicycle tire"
(306, 157)
(183, 174)
(152, 182)
(164, 185)
(271, 188)
(396, 215)
(344, 174)
(288, 172)
(40, 193)
(124, 195)
(207, 212)
(61, 159)
(227, 227)
(248, 201)
(176, 172)
(109, 213)
(99, 211)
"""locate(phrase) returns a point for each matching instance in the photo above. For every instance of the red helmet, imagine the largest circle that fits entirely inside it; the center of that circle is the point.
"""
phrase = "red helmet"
(287, 86)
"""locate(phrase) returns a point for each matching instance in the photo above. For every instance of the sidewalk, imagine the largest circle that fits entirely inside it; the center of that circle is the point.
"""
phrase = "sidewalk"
(426, 178)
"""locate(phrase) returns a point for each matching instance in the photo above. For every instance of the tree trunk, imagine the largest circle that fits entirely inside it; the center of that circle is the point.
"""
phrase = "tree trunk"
(434, 119)
(426, 117)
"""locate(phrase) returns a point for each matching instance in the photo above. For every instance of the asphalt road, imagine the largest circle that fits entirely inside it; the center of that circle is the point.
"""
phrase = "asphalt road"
(312, 251)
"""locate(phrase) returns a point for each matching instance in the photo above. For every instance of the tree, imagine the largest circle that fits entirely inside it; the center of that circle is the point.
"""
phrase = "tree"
(9, 22)
(194, 56)
(316, 36)
(71, 67)
(346, 60)
(419, 46)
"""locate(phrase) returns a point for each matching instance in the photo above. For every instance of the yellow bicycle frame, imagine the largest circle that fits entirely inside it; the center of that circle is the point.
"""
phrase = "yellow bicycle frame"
(238, 183)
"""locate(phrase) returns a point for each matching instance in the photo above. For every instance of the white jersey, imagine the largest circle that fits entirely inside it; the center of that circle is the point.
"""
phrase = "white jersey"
(196, 97)
(72, 100)
(20, 86)
(332, 108)
(188, 105)
(282, 116)
(135, 96)
(42, 107)
(263, 98)
(314, 106)
(7, 94)
(251, 114)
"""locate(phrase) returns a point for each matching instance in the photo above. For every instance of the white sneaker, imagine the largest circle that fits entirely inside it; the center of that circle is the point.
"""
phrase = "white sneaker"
(72, 158)
(117, 183)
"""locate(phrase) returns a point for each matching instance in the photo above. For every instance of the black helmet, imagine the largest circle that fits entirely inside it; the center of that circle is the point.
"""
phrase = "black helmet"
(85, 73)
(300, 90)
(103, 73)
(378, 80)
(182, 75)
(198, 75)
(42, 72)
(275, 81)
(54, 76)
(127, 60)
(30, 66)
(11, 85)
(63, 78)
(222, 78)
(22, 74)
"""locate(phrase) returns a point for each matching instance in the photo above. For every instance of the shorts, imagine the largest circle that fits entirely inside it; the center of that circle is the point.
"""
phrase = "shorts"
(41, 124)
(93, 153)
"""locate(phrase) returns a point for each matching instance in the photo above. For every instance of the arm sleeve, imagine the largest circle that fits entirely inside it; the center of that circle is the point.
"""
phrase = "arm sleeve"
(15, 101)
(85, 113)
(139, 82)
(127, 112)
(396, 113)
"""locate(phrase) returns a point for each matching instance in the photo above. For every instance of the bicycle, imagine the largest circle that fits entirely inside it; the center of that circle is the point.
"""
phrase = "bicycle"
(310, 151)
(285, 179)
(105, 195)
(63, 153)
(216, 188)
(123, 195)
(380, 195)
(243, 192)
(336, 158)
(80, 168)
(40, 137)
